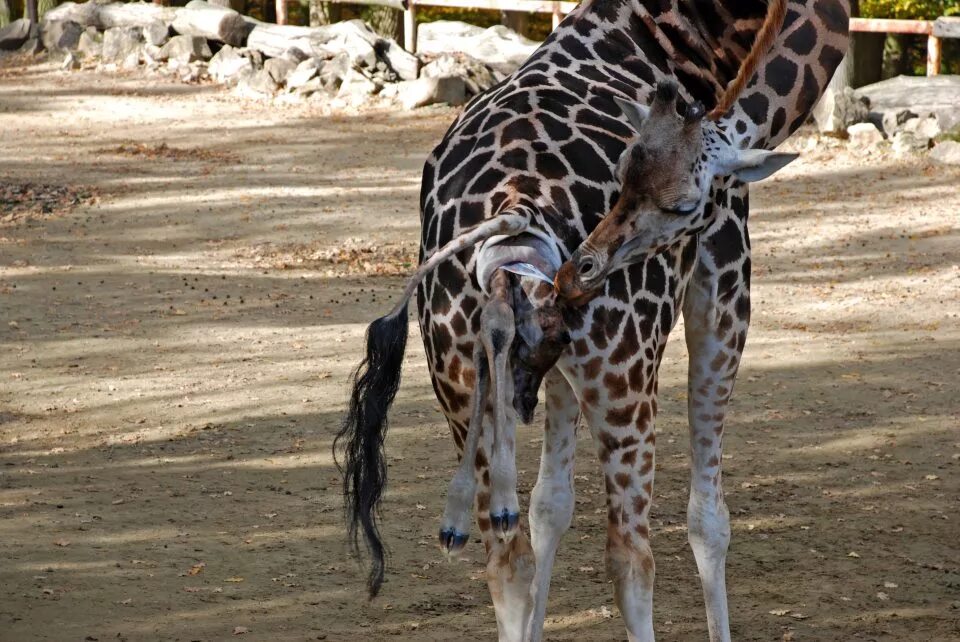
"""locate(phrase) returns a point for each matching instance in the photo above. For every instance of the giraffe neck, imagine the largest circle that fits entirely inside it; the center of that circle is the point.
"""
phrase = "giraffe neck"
(702, 44)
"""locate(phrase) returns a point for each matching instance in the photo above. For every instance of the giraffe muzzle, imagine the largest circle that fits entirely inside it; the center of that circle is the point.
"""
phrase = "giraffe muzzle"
(579, 278)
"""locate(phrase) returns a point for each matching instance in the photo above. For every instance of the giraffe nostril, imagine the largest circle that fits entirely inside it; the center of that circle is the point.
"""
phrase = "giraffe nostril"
(586, 266)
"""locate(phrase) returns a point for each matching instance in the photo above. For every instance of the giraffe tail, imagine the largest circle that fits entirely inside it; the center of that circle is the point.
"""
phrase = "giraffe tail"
(375, 385)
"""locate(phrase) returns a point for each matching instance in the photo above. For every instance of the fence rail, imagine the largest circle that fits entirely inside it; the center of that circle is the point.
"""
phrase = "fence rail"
(935, 30)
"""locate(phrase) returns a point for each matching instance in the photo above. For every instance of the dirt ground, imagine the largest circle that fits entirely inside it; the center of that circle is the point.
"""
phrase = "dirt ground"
(175, 346)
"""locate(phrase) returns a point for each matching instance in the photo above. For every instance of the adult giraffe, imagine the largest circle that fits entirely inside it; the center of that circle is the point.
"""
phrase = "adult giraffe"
(540, 152)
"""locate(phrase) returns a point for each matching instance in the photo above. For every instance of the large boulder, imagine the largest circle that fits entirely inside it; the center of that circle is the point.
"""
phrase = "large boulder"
(333, 72)
(89, 45)
(279, 69)
(304, 73)
(257, 84)
(156, 33)
(497, 46)
(840, 108)
(228, 65)
(477, 75)
(356, 87)
(121, 45)
(923, 95)
(61, 35)
(428, 91)
(186, 49)
(864, 138)
(14, 35)
(946, 152)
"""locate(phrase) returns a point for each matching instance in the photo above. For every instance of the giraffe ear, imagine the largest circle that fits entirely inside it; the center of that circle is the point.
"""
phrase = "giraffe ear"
(635, 112)
(751, 165)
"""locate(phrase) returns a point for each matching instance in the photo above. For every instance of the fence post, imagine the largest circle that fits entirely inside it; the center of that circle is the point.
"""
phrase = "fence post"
(410, 27)
(557, 16)
(934, 55)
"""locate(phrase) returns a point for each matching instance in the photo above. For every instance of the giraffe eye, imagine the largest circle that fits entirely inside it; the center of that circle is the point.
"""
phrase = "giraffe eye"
(683, 208)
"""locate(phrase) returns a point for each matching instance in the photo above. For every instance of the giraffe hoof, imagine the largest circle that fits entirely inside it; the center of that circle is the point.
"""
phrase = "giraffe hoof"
(504, 523)
(452, 540)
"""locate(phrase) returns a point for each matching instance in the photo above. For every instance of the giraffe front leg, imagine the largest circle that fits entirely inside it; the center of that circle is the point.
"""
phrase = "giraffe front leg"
(716, 328)
(497, 329)
(623, 430)
(551, 501)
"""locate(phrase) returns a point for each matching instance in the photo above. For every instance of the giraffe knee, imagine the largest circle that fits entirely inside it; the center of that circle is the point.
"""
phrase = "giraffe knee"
(708, 524)
(551, 506)
(629, 560)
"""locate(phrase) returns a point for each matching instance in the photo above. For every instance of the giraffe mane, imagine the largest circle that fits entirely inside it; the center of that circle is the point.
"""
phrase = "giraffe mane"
(769, 30)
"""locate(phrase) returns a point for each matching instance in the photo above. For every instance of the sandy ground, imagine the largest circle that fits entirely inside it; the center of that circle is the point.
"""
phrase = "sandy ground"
(173, 359)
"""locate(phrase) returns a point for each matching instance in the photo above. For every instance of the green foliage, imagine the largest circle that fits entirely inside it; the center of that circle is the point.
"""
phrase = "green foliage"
(44, 6)
(909, 9)
(4, 13)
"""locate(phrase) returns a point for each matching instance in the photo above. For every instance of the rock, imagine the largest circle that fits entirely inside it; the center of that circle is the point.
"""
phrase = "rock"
(864, 138)
(906, 142)
(333, 71)
(14, 35)
(356, 87)
(120, 44)
(70, 62)
(31, 47)
(228, 65)
(279, 69)
(131, 61)
(894, 120)
(946, 152)
(937, 95)
(402, 62)
(304, 73)
(256, 57)
(477, 76)
(151, 56)
(259, 83)
(89, 46)
(427, 91)
(186, 49)
(309, 87)
(504, 50)
(61, 35)
(923, 128)
(295, 55)
(838, 110)
(192, 72)
(353, 37)
(156, 33)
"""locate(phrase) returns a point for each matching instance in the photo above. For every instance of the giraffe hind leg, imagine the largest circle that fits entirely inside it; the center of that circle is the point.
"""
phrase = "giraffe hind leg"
(455, 527)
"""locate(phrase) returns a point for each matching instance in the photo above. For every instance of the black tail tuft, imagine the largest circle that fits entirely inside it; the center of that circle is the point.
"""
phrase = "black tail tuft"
(360, 439)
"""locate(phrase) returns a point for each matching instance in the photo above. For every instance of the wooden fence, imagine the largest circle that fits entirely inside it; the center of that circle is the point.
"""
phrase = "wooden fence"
(935, 30)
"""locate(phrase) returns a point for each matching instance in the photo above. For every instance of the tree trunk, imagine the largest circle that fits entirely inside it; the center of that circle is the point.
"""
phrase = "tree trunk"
(316, 14)
(866, 51)
(281, 12)
(32, 11)
(516, 20)
(200, 18)
(386, 22)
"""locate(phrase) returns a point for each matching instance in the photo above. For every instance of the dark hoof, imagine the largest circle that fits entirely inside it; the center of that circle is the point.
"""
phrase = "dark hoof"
(504, 523)
(452, 540)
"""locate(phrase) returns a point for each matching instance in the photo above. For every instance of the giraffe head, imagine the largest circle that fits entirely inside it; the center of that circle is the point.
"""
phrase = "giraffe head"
(665, 176)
